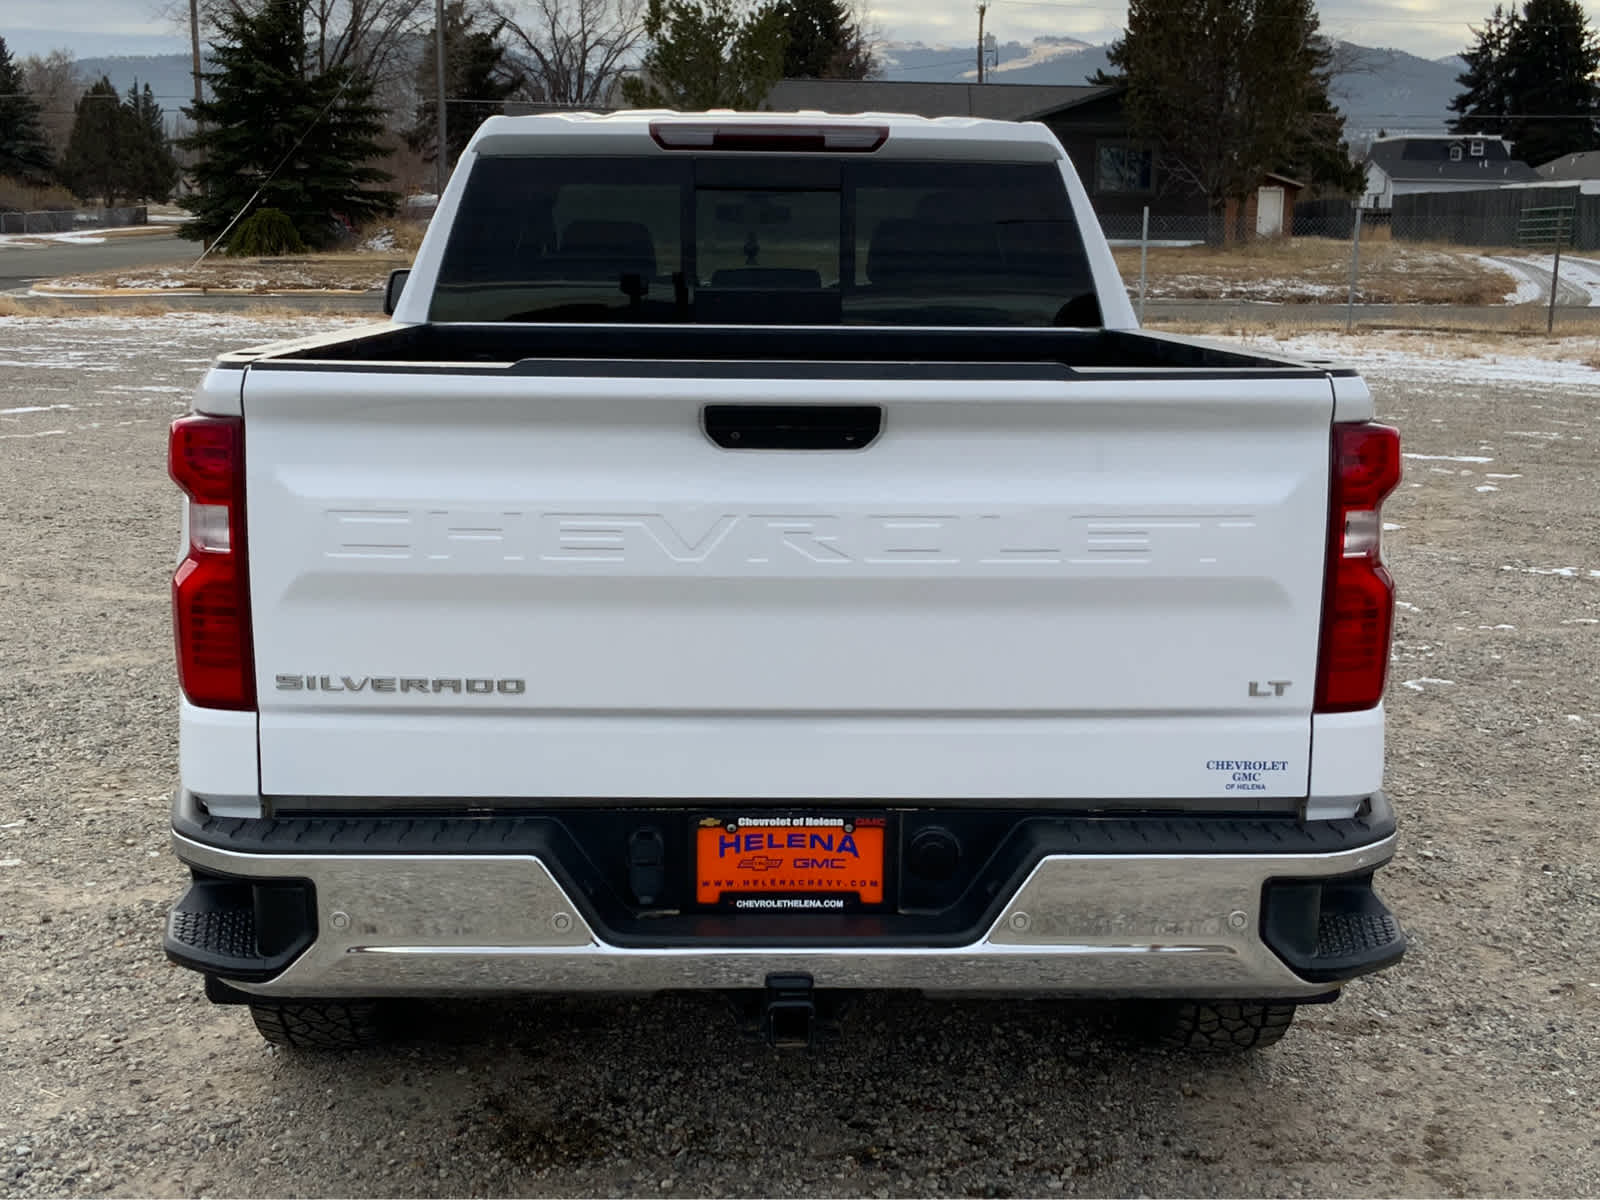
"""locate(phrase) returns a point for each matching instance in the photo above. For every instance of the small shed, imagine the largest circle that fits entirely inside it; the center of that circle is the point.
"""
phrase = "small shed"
(1268, 211)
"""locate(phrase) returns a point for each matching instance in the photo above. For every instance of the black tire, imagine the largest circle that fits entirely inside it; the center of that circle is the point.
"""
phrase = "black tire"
(319, 1026)
(1215, 1026)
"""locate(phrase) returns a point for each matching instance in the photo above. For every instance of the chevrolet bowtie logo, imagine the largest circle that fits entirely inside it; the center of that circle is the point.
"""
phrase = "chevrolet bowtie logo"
(760, 862)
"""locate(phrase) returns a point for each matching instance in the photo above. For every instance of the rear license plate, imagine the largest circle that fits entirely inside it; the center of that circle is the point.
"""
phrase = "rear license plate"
(767, 863)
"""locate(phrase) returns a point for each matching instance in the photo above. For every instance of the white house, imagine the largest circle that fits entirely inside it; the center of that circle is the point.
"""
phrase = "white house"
(1399, 166)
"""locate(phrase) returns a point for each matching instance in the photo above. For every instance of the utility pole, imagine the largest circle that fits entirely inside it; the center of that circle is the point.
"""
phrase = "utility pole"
(194, 45)
(982, 8)
(443, 165)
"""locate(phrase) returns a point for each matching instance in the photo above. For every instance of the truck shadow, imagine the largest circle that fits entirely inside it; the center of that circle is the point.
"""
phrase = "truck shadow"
(664, 1094)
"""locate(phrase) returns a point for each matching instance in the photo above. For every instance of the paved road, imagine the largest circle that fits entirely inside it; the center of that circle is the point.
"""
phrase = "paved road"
(23, 262)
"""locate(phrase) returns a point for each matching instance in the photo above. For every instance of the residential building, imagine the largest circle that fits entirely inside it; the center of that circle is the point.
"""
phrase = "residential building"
(1403, 166)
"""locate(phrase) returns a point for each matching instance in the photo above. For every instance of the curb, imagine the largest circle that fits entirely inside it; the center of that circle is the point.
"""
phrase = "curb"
(46, 291)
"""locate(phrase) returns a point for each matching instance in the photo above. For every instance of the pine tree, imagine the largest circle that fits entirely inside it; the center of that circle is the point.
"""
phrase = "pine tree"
(275, 134)
(1531, 78)
(102, 150)
(24, 153)
(477, 73)
(1485, 101)
(1230, 89)
(825, 41)
(154, 170)
(708, 54)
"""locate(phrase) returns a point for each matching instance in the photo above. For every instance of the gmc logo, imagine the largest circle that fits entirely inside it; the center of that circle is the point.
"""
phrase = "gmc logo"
(486, 540)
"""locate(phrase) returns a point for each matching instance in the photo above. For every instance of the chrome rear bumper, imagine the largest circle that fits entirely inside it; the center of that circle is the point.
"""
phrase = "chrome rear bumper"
(1186, 925)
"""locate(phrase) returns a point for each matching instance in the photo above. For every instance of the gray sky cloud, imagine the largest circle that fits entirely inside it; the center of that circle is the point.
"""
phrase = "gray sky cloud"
(1431, 28)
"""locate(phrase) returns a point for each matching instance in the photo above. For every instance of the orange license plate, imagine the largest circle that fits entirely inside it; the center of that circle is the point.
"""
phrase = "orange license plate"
(790, 864)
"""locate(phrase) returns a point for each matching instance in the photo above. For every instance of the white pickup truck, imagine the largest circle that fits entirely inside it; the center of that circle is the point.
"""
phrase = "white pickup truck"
(762, 553)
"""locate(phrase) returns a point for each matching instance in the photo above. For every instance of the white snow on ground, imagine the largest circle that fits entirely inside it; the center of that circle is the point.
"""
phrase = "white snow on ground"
(22, 239)
(1486, 487)
(379, 242)
(1440, 357)
(1564, 572)
(1472, 458)
(7, 412)
(1581, 273)
(1416, 685)
(1528, 289)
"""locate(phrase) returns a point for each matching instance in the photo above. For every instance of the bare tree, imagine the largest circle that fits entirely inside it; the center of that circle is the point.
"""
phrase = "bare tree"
(574, 51)
(377, 38)
(55, 85)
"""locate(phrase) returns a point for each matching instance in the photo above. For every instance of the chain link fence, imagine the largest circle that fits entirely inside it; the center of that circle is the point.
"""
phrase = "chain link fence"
(1517, 256)
(70, 220)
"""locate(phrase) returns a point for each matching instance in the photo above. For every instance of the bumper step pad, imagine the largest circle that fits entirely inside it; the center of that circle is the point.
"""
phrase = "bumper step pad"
(1331, 931)
(240, 929)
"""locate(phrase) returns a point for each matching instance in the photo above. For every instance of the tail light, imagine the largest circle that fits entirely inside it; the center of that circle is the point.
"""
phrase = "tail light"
(1358, 603)
(210, 596)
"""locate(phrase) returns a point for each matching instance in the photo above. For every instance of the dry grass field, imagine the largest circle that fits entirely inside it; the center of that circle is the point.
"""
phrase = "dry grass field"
(1317, 270)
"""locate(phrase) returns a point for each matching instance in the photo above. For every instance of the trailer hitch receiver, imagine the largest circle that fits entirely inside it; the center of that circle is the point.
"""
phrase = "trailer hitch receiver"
(789, 1011)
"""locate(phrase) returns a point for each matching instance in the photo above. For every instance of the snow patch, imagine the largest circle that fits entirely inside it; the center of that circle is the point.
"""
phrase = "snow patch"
(1434, 360)
(1472, 458)
(1417, 685)
(1529, 288)
(27, 408)
(1563, 572)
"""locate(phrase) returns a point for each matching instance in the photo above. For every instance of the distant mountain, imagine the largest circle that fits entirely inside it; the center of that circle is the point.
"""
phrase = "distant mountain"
(1384, 89)
(1375, 88)
(917, 62)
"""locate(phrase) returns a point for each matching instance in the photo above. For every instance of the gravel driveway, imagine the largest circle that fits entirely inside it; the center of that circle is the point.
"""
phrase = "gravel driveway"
(1473, 1068)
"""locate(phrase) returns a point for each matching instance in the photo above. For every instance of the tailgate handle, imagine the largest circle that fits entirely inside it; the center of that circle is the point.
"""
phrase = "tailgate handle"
(793, 426)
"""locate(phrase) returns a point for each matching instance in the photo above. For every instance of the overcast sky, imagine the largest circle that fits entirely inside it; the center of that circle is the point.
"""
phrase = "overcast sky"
(1431, 28)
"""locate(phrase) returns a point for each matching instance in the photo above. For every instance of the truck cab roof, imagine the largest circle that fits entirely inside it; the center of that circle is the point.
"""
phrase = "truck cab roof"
(645, 131)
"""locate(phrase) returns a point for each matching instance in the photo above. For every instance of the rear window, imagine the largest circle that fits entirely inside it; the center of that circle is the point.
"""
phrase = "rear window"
(739, 240)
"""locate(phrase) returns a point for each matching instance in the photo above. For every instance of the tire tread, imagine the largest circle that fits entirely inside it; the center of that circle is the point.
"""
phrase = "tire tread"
(1221, 1026)
(322, 1026)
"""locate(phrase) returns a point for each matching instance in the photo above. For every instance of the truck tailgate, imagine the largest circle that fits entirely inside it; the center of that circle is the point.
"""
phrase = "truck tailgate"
(551, 585)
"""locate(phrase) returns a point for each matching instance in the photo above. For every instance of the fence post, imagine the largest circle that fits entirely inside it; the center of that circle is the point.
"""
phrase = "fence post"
(1144, 255)
(1555, 284)
(1355, 270)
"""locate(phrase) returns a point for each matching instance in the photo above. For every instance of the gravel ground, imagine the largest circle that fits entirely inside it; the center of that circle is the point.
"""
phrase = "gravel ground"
(1471, 1069)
